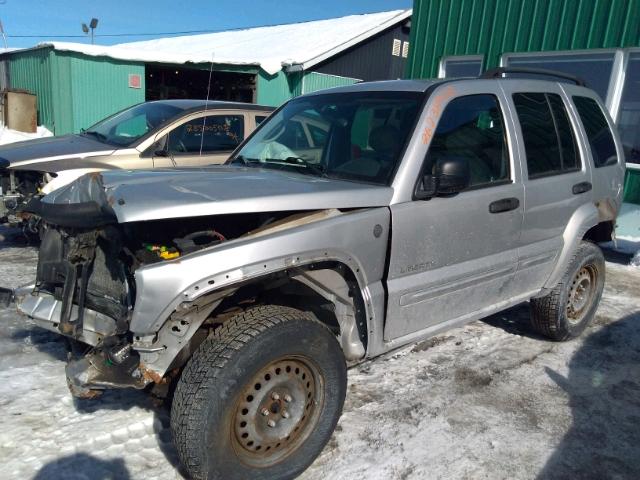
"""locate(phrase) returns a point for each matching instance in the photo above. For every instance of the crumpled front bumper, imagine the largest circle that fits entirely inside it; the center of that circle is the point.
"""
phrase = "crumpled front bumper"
(46, 312)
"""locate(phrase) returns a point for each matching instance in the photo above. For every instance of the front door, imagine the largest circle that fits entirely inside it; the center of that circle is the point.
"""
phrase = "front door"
(455, 256)
(204, 140)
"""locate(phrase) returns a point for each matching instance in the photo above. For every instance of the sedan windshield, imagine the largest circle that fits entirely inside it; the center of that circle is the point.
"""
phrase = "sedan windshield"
(124, 128)
(353, 136)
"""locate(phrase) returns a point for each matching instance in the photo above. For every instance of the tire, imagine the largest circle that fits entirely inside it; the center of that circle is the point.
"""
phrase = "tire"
(268, 357)
(566, 311)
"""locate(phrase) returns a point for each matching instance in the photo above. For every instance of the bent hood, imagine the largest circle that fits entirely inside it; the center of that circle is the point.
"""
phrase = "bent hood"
(169, 193)
(52, 154)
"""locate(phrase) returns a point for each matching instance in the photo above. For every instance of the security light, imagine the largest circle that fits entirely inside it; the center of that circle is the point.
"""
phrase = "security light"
(92, 25)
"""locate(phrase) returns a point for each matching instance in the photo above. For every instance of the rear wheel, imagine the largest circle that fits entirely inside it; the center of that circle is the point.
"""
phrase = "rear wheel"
(566, 311)
(260, 398)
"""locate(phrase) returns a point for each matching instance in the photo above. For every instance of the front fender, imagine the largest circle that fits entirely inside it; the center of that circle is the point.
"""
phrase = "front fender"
(357, 239)
(582, 220)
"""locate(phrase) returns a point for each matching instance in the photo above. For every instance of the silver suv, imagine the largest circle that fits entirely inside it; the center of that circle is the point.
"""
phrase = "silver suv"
(353, 221)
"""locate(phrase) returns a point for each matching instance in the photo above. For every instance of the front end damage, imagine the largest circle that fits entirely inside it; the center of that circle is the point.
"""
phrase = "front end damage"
(91, 267)
(17, 187)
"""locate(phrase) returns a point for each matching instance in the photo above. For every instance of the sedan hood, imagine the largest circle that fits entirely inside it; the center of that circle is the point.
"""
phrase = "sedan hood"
(53, 154)
(177, 193)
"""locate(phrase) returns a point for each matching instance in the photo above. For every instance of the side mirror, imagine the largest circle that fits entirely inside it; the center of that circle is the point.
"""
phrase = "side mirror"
(451, 175)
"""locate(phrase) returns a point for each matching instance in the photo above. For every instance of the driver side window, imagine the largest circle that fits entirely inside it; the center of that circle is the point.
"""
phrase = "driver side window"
(471, 127)
(214, 133)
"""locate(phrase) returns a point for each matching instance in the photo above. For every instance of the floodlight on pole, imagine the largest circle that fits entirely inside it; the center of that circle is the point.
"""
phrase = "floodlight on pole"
(93, 24)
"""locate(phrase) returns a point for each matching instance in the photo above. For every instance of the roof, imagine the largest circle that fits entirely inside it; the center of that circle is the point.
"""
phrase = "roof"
(195, 104)
(270, 48)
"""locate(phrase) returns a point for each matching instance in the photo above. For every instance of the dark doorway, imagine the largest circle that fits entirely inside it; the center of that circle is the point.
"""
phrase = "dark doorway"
(169, 82)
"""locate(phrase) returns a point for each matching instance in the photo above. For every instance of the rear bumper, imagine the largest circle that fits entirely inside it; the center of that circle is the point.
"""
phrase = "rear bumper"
(46, 312)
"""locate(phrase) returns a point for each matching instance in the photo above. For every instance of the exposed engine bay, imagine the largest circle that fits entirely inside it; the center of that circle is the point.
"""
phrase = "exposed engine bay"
(89, 272)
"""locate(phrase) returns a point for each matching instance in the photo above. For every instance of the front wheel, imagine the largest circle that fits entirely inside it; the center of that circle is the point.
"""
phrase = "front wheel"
(566, 311)
(260, 398)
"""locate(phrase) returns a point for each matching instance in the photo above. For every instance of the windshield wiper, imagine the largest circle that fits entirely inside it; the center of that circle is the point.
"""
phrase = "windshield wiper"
(100, 136)
(244, 160)
(300, 162)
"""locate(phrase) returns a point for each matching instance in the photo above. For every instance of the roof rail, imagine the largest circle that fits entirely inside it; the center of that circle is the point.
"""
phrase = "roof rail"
(500, 71)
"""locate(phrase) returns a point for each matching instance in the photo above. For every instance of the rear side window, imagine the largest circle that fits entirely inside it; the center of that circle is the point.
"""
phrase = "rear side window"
(216, 133)
(603, 148)
(548, 136)
(471, 127)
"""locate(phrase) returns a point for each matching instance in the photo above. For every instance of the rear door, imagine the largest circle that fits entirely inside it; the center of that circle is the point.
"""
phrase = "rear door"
(202, 140)
(556, 179)
(455, 256)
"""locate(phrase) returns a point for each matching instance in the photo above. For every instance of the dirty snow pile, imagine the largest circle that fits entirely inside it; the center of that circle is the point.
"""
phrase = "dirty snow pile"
(491, 400)
(10, 136)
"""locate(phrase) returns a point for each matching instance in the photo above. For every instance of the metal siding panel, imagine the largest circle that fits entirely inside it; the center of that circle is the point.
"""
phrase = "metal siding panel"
(492, 27)
(100, 87)
(30, 70)
(314, 81)
(273, 90)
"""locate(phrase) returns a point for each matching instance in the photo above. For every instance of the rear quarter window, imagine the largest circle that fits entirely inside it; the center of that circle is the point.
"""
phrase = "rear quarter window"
(603, 148)
(549, 139)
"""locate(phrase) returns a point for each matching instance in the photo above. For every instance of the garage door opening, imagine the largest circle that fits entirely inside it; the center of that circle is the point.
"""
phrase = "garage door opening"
(170, 82)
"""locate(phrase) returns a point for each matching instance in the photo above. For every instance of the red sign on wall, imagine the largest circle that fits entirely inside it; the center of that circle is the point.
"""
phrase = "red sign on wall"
(135, 81)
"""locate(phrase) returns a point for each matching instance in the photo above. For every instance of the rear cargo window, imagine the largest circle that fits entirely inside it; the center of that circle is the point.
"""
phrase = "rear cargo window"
(548, 136)
(603, 148)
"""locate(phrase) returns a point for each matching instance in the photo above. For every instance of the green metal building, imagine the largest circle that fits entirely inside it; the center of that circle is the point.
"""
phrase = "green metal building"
(77, 84)
(597, 40)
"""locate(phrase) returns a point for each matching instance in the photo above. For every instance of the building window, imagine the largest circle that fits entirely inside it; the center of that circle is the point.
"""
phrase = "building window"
(397, 45)
(549, 141)
(471, 127)
(629, 112)
(405, 49)
(461, 66)
(603, 148)
(593, 67)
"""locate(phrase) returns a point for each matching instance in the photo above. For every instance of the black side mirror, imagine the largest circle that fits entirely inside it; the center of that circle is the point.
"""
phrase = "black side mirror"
(451, 175)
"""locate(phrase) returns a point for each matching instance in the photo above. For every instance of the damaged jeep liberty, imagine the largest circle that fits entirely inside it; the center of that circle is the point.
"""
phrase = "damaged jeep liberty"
(352, 222)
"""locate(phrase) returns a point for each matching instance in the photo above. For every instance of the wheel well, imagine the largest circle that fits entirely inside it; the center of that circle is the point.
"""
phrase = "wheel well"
(328, 290)
(602, 232)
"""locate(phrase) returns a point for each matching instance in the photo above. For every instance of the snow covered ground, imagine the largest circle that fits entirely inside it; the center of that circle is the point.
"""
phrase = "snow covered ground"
(488, 401)
(10, 136)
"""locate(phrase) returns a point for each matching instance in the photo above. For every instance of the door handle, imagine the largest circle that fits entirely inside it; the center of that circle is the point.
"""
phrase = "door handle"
(581, 187)
(504, 205)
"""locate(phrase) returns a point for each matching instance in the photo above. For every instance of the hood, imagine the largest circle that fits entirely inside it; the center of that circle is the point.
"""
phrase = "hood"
(169, 193)
(52, 154)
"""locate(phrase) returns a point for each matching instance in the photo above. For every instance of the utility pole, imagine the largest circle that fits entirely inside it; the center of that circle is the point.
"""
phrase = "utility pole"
(4, 36)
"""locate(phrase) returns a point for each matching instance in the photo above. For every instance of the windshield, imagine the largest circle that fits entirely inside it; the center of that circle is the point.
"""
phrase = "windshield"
(353, 136)
(124, 128)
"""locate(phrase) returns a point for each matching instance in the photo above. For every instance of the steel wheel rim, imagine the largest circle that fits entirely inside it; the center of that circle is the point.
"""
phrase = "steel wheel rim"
(276, 411)
(581, 293)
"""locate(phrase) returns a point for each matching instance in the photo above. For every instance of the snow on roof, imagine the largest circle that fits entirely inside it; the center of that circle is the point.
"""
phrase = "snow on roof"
(270, 48)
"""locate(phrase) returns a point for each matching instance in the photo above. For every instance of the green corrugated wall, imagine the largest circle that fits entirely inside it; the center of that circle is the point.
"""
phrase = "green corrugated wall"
(31, 70)
(74, 91)
(99, 86)
(314, 81)
(492, 27)
(276, 89)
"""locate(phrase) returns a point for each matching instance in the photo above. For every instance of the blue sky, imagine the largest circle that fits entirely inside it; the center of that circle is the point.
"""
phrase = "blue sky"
(64, 17)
